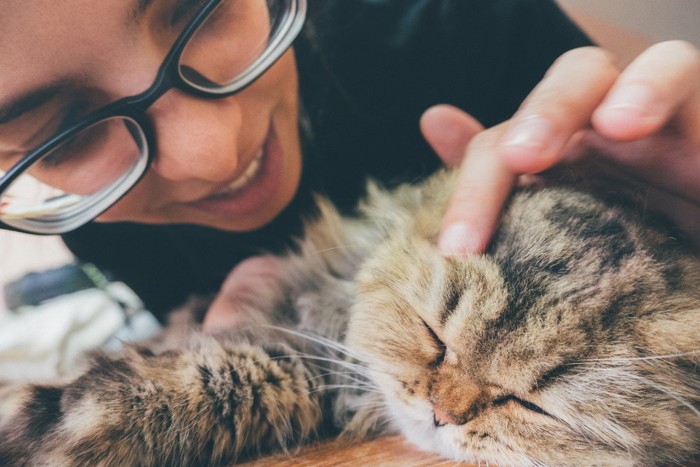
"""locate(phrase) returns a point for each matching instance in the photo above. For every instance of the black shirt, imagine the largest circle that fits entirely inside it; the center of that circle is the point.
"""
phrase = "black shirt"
(367, 71)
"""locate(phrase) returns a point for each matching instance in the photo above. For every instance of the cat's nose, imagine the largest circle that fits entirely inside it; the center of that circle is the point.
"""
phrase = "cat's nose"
(442, 417)
(456, 401)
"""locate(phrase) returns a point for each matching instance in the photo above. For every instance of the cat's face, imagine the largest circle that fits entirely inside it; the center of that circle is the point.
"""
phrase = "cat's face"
(529, 361)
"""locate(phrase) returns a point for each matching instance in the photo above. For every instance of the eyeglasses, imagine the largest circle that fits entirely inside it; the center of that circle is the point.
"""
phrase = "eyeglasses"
(83, 170)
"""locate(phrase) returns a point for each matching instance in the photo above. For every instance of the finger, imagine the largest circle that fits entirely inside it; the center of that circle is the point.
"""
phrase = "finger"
(483, 184)
(251, 275)
(650, 91)
(560, 105)
(448, 131)
(220, 315)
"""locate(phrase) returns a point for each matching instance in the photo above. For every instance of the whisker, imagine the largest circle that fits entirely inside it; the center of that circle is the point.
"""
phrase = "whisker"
(360, 384)
(327, 387)
(632, 359)
(673, 394)
(341, 363)
(324, 341)
(339, 247)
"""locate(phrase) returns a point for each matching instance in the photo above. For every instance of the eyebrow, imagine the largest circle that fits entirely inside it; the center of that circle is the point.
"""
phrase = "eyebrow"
(29, 101)
(139, 9)
(183, 8)
(36, 98)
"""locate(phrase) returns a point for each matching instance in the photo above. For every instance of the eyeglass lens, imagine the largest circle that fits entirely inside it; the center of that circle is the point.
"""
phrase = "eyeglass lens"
(232, 41)
(83, 170)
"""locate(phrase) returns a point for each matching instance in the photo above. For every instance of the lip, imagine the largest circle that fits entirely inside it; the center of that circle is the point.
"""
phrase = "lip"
(245, 178)
(258, 193)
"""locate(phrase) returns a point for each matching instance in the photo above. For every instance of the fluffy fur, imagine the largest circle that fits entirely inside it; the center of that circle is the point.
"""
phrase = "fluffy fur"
(573, 341)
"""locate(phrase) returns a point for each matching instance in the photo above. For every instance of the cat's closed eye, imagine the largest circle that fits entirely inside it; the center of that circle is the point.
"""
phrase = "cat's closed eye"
(523, 403)
(439, 344)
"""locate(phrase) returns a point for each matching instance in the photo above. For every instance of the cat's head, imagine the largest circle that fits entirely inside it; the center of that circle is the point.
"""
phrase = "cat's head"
(569, 344)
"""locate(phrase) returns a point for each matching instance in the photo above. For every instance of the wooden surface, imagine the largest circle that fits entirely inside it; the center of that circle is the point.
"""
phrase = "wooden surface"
(392, 451)
(389, 452)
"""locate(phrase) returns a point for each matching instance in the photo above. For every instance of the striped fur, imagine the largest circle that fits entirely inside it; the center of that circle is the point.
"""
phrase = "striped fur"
(574, 341)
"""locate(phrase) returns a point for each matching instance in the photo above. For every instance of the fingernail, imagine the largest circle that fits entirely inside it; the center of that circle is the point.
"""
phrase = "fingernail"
(458, 239)
(533, 132)
(635, 98)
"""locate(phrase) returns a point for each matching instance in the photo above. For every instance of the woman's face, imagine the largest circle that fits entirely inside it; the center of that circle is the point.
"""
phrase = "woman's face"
(231, 163)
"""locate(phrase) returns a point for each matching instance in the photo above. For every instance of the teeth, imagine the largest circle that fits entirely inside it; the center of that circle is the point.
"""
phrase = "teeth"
(248, 175)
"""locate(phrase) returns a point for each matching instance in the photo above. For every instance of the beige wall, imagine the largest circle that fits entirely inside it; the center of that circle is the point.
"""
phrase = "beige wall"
(658, 19)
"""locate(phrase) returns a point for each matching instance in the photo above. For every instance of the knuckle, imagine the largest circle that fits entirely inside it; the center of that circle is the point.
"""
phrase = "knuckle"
(693, 55)
(552, 102)
(571, 80)
(483, 140)
(554, 105)
(677, 46)
(670, 67)
(589, 57)
(685, 51)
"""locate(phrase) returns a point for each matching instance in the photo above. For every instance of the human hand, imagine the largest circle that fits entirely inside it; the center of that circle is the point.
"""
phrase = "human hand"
(239, 300)
(639, 127)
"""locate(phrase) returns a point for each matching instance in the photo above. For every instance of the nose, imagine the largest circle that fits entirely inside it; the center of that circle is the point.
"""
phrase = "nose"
(456, 401)
(442, 417)
(195, 138)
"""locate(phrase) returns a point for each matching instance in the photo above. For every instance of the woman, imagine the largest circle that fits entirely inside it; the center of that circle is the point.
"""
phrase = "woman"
(231, 131)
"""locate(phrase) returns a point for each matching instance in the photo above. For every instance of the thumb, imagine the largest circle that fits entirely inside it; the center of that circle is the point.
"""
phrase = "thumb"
(448, 130)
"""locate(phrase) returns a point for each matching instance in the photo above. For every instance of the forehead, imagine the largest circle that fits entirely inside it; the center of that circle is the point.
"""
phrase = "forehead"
(43, 40)
(27, 25)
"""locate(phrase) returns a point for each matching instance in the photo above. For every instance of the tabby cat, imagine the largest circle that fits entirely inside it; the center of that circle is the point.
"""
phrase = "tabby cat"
(573, 341)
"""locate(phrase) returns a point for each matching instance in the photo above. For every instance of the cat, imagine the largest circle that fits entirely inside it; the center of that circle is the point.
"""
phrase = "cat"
(572, 341)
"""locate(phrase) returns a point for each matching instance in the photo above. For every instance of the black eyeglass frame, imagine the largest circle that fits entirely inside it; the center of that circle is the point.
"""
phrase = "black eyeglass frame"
(134, 107)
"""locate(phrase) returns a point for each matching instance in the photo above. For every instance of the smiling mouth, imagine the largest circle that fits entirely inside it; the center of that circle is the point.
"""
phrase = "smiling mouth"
(245, 178)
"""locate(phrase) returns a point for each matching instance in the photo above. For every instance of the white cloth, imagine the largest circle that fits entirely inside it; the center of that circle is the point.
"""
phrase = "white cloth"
(46, 341)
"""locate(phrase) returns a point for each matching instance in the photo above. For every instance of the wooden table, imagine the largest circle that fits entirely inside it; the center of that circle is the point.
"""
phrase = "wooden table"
(391, 451)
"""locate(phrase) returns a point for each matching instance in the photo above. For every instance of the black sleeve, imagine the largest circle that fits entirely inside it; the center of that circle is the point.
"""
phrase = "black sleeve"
(373, 67)
(482, 55)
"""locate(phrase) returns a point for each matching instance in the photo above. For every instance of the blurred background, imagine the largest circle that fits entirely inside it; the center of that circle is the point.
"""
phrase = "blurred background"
(621, 24)
(657, 19)
(618, 24)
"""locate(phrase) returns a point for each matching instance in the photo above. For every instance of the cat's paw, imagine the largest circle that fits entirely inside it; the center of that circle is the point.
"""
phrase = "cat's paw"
(206, 405)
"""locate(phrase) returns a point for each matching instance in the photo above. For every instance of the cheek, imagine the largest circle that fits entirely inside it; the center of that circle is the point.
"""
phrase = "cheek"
(392, 343)
(395, 358)
(278, 83)
(405, 383)
(407, 401)
(126, 209)
(137, 203)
